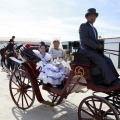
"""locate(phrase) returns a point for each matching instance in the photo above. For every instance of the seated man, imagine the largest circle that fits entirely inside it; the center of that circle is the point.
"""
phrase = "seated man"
(91, 46)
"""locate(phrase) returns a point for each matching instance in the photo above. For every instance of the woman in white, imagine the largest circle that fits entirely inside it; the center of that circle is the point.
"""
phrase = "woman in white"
(56, 50)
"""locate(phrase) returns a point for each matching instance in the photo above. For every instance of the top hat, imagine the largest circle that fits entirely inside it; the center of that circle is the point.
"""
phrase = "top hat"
(11, 40)
(91, 11)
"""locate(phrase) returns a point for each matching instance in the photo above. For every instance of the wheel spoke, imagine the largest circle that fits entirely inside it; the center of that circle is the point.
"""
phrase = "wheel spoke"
(105, 113)
(89, 107)
(28, 96)
(99, 112)
(15, 94)
(18, 80)
(95, 110)
(87, 112)
(14, 88)
(22, 101)
(26, 100)
(19, 98)
(15, 84)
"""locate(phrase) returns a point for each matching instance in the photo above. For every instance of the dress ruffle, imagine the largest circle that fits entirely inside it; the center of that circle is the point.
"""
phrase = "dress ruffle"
(52, 74)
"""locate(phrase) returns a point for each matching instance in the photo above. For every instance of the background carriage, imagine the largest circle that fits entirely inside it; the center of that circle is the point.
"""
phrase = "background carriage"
(24, 87)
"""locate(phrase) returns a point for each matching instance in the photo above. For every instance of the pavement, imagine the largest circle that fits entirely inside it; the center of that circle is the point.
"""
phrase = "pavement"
(68, 110)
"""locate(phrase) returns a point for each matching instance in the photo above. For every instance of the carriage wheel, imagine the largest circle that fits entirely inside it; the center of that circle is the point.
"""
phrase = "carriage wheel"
(21, 67)
(96, 108)
(21, 89)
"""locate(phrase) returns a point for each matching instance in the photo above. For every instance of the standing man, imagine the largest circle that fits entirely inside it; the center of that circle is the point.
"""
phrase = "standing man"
(13, 37)
(92, 48)
(10, 52)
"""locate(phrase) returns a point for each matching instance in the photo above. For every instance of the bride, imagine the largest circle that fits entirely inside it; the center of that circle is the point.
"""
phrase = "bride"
(56, 50)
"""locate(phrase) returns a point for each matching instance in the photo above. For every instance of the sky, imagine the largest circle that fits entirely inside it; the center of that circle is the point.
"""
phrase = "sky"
(50, 19)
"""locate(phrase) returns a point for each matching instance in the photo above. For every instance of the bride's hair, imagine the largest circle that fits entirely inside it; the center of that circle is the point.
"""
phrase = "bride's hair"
(56, 40)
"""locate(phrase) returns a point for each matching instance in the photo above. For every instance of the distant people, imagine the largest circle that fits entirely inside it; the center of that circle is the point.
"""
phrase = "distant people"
(13, 37)
(2, 52)
(56, 50)
(10, 52)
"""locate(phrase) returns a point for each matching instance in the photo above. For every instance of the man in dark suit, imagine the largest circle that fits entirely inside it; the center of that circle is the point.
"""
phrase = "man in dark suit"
(10, 52)
(92, 48)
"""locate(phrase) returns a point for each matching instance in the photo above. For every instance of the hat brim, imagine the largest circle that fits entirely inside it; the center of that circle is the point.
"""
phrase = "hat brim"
(87, 14)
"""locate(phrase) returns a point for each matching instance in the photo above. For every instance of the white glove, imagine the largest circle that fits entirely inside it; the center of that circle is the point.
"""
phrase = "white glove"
(39, 64)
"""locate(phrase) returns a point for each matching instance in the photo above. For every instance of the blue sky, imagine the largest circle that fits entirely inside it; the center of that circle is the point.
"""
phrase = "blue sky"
(49, 19)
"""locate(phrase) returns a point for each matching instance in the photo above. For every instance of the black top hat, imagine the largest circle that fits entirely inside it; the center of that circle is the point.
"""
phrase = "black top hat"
(11, 40)
(91, 11)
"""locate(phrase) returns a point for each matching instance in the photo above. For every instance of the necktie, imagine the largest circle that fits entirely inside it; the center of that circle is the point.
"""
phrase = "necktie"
(94, 31)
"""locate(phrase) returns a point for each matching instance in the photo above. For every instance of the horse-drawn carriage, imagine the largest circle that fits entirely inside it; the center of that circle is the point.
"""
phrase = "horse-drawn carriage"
(25, 86)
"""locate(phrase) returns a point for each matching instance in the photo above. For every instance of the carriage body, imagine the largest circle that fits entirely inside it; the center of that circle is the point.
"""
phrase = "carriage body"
(81, 75)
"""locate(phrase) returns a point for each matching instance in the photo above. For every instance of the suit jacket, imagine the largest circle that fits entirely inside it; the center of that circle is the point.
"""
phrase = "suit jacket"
(87, 37)
(9, 47)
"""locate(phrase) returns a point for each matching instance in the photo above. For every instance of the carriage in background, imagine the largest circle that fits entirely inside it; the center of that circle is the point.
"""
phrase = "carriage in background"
(25, 86)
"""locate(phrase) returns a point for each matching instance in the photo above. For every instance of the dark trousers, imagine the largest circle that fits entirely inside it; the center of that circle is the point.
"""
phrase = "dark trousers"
(105, 65)
(2, 62)
(10, 64)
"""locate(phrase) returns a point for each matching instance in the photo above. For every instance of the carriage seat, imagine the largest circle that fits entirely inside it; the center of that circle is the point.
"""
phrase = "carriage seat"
(27, 53)
(81, 58)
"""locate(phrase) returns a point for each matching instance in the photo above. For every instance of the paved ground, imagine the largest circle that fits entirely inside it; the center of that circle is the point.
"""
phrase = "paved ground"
(8, 110)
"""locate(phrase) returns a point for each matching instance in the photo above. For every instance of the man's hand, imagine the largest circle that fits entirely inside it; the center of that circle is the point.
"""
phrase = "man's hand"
(100, 48)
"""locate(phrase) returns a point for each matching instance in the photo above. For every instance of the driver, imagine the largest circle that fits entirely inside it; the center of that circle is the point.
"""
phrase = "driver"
(91, 46)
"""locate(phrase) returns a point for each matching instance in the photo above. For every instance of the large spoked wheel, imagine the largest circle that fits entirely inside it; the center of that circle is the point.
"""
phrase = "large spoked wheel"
(21, 89)
(96, 108)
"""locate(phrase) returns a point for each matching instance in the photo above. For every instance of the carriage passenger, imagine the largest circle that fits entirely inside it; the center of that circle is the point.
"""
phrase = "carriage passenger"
(41, 52)
(53, 74)
(56, 50)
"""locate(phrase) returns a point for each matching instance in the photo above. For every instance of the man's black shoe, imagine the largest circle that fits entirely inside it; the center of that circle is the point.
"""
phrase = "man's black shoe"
(116, 82)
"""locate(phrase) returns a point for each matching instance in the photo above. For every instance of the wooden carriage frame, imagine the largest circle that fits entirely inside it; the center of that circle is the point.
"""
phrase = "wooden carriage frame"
(28, 71)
